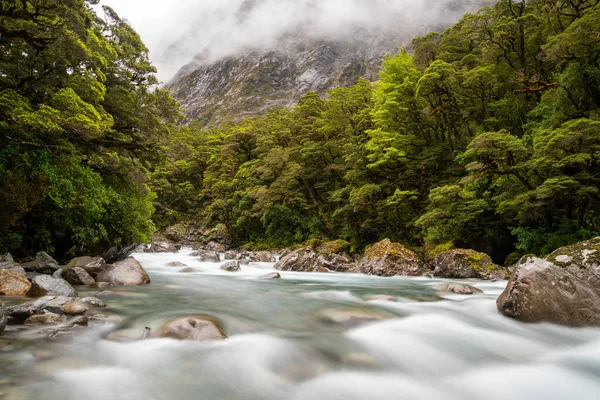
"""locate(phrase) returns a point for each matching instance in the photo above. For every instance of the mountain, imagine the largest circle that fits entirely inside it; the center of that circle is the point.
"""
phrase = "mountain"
(264, 56)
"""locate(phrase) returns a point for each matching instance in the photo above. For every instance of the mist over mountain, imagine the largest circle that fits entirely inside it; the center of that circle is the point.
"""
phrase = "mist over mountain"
(248, 55)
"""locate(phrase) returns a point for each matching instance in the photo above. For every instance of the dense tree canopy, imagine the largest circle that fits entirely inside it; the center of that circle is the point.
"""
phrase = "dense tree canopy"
(79, 126)
(484, 136)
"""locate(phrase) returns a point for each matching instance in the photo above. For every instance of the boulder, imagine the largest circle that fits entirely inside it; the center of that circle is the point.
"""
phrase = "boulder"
(3, 316)
(230, 255)
(58, 274)
(200, 328)
(215, 246)
(45, 319)
(334, 247)
(261, 256)
(231, 266)
(78, 276)
(465, 264)
(272, 275)
(563, 288)
(75, 307)
(13, 266)
(128, 272)
(388, 258)
(307, 259)
(13, 283)
(162, 247)
(91, 265)
(118, 253)
(43, 264)
(206, 256)
(353, 317)
(189, 270)
(6, 257)
(176, 264)
(43, 285)
(461, 289)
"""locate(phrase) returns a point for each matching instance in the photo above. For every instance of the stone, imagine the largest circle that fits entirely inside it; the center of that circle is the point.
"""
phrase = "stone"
(563, 288)
(272, 275)
(353, 317)
(261, 256)
(230, 255)
(231, 266)
(92, 302)
(465, 264)
(306, 259)
(75, 307)
(118, 253)
(45, 319)
(13, 266)
(334, 247)
(382, 297)
(461, 289)
(107, 293)
(6, 257)
(189, 270)
(128, 272)
(215, 246)
(91, 265)
(78, 276)
(199, 328)
(161, 247)
(3, 316)
(387, 258)
(176, 264)
(207, 256)
(43, 285)
(58, 273)
(13, 283)
(43, 264)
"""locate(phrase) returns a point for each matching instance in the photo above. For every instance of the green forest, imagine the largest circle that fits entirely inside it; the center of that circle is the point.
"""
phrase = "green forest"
(485, 136)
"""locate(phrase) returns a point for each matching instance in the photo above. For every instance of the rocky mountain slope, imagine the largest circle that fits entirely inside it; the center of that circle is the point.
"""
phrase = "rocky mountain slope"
(300, 58)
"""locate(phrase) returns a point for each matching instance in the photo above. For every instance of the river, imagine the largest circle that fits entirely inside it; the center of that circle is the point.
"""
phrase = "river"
(305, 336)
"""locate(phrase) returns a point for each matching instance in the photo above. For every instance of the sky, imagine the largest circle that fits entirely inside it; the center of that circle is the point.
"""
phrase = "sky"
(177, 30)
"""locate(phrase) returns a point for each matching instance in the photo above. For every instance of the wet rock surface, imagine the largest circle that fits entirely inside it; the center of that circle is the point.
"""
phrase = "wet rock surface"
(199, 328)
(128, 272)
(563, 288)
(231, 266)
(461, 289)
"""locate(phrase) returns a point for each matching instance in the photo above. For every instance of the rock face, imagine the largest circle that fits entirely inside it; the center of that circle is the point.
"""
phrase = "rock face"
(13, 283)
(387, 258)
(563, 288)
(43, 264)
(78, 276)
(464, 264)
(128, 272)
(91, 265)
(307, 259)
(43, 285)
(200, 328)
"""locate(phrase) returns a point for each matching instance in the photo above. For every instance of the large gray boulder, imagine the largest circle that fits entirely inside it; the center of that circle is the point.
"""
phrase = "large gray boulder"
(464, 264)
(387, 258)
(13, 283)
(199, 328)
(128, 272)
(43, 264)
(231, 266)
(307, 259)
(43, 285)
(91, 265)
(563, 288)
(78, 276)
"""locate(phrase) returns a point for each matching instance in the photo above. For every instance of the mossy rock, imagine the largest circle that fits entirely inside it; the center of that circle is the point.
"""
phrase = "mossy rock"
(465, 264)
(387, 258)
(334, 247)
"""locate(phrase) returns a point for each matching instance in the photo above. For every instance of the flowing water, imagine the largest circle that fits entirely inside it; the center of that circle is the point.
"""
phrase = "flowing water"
(305, 336)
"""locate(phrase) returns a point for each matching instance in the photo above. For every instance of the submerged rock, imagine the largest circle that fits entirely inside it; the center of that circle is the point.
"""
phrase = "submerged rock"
(13, 283)
(43, 285)
(352, 317)
(206, 256)
(272, 275)
(307, 259)
(387, 258)
(461, 289)
(464, 264)
(563, 288)
(189, 270)
(128, 272)
(200, 328)
(176, 264)
(78, 276)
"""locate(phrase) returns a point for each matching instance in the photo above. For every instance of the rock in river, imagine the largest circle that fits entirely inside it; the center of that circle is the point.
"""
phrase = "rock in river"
(563, 288)
(464, 264)
(461, 289)
(91, 265)
(43, 285)
(13, 283)
(307, 259)
(388, 258)
(78, 276)
(201, 328)
(128, 272)
(231, 266)
(43, 264)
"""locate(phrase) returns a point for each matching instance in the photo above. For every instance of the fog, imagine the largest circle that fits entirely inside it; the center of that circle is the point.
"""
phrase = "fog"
(177, 31)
